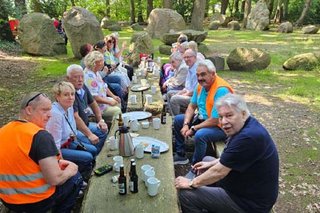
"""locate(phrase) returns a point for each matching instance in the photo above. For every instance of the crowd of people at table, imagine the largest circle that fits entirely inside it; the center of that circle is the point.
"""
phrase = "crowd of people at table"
(58, 142)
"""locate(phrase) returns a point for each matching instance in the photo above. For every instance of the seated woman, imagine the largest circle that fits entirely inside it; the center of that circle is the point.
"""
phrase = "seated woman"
(177, 81)
(107, 101)
(62, 126)
(194, 46)
(117, 52)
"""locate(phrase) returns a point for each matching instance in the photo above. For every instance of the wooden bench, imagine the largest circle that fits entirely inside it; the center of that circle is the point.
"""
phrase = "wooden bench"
(102, 195)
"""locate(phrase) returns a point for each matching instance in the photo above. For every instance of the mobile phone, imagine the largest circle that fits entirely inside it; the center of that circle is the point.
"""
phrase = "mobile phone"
(103, 170)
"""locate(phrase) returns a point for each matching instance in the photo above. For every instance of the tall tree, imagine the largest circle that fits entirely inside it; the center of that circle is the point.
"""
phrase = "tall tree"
(149, 7)
(132, 12)
(198, 14)
(108, 8)
(247, 10)
(304, 12)
(224, 6)
(278, 14)
(206, 12)
(21, 8)
(140, 16)
(167, 4)
(36, 6)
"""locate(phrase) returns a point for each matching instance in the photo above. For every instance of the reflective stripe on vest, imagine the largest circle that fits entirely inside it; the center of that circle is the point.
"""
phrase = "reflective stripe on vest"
(25, 191)
(218, 82)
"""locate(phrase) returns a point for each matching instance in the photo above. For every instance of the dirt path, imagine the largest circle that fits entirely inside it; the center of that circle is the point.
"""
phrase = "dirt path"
(294, 127)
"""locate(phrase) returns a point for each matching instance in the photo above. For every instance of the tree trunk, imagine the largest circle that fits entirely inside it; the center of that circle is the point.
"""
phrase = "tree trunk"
(36, 6)
(278, 15)
(149, 7)
(270, 4)
(247, 10)
(198, 15)
(304, 12)
(285, 9)
(167, 4)
(108, 8)
(140, 17)
(72, 3)
(20, 8)
(236, 6)
(132, 12)
(206, 12)
(224, 6)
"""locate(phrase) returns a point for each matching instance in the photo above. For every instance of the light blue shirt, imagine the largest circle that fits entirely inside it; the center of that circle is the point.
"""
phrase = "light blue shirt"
(191, 80)
(201, 101)
(58, 125)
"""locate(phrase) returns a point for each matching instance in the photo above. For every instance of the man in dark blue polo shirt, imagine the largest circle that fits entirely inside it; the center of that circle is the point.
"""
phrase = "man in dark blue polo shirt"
(84, 106)
(246, 177)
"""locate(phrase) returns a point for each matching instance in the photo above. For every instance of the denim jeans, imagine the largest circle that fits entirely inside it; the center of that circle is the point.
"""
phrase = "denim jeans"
(202, 137)
(62, 201)
(114, 83)
(97, 131)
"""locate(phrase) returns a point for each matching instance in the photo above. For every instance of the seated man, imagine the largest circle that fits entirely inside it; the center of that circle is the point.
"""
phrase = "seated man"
(33, 179)
(182, 98)
(246, 176)
(210, 88)
(84, 106)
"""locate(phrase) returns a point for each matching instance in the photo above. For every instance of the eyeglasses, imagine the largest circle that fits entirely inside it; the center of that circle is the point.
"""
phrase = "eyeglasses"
(187, 56)
(109, 41)
(34, 97)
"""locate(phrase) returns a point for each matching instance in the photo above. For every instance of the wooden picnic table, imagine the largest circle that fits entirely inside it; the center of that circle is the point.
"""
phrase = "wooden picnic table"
(102, 195)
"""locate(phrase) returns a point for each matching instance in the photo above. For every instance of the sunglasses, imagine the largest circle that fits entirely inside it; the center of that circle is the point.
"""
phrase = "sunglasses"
(34, 97)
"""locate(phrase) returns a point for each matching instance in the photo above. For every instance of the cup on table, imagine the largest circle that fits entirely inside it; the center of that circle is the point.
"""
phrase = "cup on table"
(148, 174)
(145, 168)
(133, 99)
(148, 99)
(134, 125)
(156, 122)
(153, 89)
(126, 118)
(113, 143)
(144, 82)
(145, 124)
(118, 160)
(153, 186)
(139, 151)
(134, 79)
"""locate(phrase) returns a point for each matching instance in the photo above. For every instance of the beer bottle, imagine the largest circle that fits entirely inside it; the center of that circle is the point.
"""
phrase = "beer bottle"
(122, 181)
(120, 121)
(131, 162)
(163, 115)
(133, 184)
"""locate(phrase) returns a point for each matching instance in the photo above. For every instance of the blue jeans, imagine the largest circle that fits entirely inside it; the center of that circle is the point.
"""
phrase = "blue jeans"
(97, 131)
(114, 83)
(83, 159)
(202, 137)
(62, 201)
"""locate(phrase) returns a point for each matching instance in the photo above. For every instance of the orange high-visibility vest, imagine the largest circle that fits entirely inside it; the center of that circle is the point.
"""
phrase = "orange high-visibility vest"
(21, 180)
(218, 82)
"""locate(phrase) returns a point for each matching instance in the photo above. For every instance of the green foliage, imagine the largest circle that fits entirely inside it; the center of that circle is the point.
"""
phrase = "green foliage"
(296, 7)
(6, 9)
(184, 9)
(53, 8)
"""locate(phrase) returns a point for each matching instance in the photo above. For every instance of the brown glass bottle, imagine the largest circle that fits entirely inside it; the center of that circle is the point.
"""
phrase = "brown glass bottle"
(133, 183)
(163, 115)
(122, 182)
(131, 162)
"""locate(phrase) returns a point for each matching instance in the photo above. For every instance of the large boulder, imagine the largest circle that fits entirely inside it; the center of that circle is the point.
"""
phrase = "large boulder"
(106, 22)
(38, 36)
(114, 28)
(310, 29)
(165, 49)
(137, 27)
(306, 61)
(258, 18)
(244, 59)
(214, 25)
(193, 35)
(285, 27)
(163, 20)
(222, 19)
(234, 25)
(141, 43)
(81, 27)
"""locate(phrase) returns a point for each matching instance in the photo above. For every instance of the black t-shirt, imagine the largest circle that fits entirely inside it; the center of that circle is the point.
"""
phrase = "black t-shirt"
(81, 104)
(43, 146)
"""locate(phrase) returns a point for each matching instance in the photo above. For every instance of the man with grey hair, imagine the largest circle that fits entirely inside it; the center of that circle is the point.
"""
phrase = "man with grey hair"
(85, 106)
(33, 176)
(245, 178)
(181, 100)
(205, 128)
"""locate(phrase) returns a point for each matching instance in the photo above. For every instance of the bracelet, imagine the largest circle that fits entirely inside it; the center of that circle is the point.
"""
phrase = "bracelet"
(102, 121)
(186, 123)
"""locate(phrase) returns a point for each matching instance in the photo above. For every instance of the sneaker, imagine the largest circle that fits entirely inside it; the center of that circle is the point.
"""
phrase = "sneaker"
(190, 175)
(179, 160)
(80, 195)
(84, 185)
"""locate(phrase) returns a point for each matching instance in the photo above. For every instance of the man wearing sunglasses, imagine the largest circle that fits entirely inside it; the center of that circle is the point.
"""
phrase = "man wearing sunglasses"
(32, 178)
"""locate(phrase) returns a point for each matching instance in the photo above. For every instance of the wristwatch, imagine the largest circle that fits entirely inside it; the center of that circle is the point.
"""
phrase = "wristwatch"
(191, 185)
(102, 121)
(186, 123)
(193, 129)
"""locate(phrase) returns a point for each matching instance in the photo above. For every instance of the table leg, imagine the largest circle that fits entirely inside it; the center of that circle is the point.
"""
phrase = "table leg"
(142, 99)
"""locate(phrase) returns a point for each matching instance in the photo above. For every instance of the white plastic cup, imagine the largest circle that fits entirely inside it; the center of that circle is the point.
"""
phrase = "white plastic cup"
(139, 151)
(133, 99)
(156, 123)
(153, 89)
(118, 160)
(153, 186)
(148, 99)
(113, 143)
(134, 79)
(144, 168)
(148, 174)
(145, 124)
